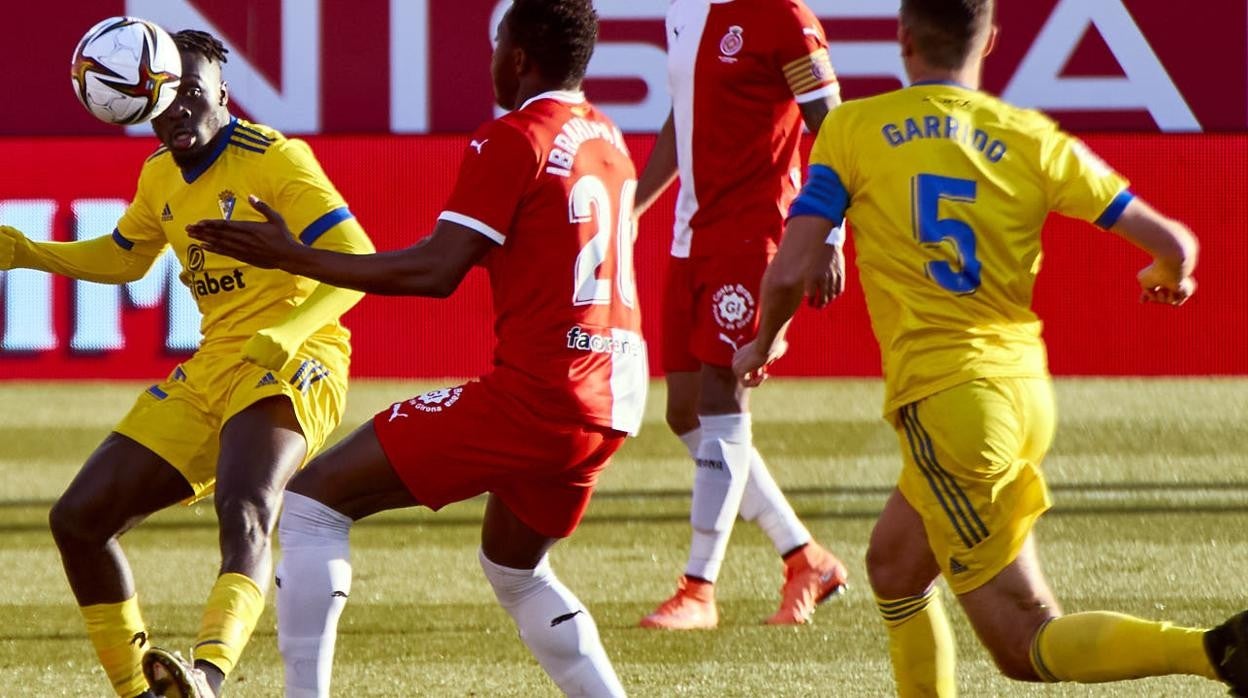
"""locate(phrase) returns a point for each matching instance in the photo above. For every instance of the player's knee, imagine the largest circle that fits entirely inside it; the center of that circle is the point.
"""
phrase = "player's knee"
(247, 519)
(512, 585)
(681, 419)
(549, 617)
(1013, 660)
(892, 575)
(72, 522)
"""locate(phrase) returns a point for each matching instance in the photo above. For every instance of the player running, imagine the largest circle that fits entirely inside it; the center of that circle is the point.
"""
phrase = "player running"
(261, 395)
(743, 77)
(947, 189)
(543, 201)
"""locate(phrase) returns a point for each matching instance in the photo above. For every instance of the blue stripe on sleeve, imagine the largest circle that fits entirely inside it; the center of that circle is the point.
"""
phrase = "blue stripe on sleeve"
(121, 240)
(321, 225)
(823, 195)
(1114, 211)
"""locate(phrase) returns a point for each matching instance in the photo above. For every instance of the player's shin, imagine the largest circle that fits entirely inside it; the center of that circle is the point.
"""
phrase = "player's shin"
(119, 636)
(313, 583)
(723, 465)
(764, 504)
(556, 627)
(921, 645)
(234, 605)
(1102, 646)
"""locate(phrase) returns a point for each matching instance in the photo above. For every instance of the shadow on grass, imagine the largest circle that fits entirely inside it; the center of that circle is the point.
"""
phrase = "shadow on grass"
(860, 503)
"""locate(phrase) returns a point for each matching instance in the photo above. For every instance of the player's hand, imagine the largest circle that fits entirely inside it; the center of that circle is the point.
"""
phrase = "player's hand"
(267, 349)
(827, 277)
(751, 361)
(9, 239)
(262, 244)
(1161, 285)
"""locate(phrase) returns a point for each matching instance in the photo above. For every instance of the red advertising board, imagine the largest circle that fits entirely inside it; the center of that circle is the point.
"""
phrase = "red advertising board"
(68, 188)
(416, 66)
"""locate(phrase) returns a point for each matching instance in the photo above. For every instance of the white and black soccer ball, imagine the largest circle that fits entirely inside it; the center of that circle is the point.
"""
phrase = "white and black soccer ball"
(126, 70)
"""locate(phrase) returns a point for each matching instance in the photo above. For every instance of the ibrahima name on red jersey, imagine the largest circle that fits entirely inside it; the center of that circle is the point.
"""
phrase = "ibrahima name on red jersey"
(553, 184)
(737, 70)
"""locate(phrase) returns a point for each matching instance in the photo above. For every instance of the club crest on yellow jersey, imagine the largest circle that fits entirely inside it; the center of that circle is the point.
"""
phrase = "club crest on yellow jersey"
(225, 201)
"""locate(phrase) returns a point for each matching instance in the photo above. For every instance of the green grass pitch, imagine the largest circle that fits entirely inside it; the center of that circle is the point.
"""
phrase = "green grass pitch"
(1151, 518)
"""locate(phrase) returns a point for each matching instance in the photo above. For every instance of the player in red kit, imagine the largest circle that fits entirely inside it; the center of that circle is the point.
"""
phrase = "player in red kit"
(543, 201)
(744, 76)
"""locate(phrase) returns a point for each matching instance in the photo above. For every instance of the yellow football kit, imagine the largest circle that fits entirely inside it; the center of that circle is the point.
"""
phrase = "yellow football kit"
(946, 190)
(180, 418)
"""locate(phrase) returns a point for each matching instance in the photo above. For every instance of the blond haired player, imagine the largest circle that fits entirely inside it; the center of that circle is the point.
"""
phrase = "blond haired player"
(261, 395)
(947, 189)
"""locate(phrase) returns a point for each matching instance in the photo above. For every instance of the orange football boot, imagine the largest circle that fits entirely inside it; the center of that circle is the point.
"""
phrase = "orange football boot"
(812, 575)
(692, 607)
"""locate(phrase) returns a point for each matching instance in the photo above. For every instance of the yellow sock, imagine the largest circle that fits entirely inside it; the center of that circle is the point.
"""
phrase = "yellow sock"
(234, 606)
(1103, 646)
(120, 638)
(921, 645)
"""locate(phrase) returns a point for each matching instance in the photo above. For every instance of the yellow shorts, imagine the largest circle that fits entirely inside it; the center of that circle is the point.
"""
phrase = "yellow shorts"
(180, 419)
(972, 470)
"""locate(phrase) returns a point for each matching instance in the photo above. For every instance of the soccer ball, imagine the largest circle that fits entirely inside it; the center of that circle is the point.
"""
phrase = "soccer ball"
(126, 70)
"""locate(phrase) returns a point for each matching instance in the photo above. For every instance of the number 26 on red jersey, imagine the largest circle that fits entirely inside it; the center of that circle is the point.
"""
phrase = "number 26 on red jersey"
(593, 282)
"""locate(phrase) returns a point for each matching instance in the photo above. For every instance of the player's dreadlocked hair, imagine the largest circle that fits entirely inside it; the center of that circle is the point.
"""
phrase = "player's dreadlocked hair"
(201, 42)
(945, 30)
(559, 36)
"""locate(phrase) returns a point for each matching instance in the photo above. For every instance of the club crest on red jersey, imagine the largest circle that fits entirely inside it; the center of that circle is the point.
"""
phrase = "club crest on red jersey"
(733, 306)
(732, 43)
(432, 401)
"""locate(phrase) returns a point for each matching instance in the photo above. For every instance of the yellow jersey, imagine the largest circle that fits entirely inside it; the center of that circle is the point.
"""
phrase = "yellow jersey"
(236, 299)
(946, 190)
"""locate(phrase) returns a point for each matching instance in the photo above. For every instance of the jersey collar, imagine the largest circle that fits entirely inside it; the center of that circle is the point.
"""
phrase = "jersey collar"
(951, 83)
(189, 176)
(565, 96)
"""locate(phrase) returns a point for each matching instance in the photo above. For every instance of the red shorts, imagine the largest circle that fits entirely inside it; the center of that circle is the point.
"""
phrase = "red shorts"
(455, 443)
(710, 309)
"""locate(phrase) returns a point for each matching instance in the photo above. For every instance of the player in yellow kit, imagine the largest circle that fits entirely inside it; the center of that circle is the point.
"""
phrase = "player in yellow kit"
(946, 189)
(261, 395)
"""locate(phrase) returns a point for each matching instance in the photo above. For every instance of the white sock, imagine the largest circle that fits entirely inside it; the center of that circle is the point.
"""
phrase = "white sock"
(313, 582)
(764, 504)
(691, 440)
(723, 467)
(556, 627)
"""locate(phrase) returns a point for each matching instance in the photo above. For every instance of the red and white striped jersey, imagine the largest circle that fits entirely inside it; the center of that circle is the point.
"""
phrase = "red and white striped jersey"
(737, 70)
(553, 184)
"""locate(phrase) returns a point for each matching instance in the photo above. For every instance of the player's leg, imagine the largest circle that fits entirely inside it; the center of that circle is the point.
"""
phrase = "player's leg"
(723, 468)
(693, 604)
(261, 447)
(763, 503)
(902, 572)
(557, 628)
(349, 481)
(682, 407)
(975, 451)
(729, 319)
(121, 483)
(1019, 622)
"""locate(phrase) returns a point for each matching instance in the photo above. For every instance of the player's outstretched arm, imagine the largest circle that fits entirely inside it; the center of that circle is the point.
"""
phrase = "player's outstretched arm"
(432, 267)
(784, 286)
(660, 169)
(274, 347)
(101, 259)
(1173, 247)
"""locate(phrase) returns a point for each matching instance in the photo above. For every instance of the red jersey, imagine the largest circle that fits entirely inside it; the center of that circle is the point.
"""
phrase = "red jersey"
(553, 184)
(737, 70)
